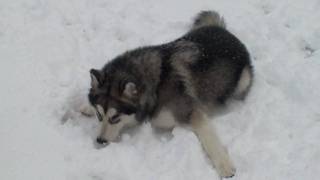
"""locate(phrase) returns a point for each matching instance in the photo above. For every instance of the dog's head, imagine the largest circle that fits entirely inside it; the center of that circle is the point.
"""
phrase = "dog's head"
(116, 101)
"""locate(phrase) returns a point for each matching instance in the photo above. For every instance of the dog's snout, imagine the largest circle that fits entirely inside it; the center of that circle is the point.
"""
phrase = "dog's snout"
(102, 141)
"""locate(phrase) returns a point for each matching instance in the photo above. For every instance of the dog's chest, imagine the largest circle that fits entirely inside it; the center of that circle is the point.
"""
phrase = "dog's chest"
(164, 120)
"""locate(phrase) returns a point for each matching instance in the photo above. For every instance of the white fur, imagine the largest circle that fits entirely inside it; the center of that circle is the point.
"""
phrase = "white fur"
(212, 145)
(244, 82)
(130, 89)
(101, 110)
(111, 132)
(87, 109)
(111, 112)
(164, 120)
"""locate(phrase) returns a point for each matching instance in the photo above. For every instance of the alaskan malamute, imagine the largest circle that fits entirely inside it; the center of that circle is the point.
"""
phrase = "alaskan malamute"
(180, 82)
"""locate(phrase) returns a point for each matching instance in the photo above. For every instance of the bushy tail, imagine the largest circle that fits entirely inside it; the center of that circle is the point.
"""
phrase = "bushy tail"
(208, 18)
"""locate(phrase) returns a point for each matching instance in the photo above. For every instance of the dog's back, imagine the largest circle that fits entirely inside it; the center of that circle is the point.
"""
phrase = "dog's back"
(211, 62)
(206, 66)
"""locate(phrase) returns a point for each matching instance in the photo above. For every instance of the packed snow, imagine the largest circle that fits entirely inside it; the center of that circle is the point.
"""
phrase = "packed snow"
(48, 47)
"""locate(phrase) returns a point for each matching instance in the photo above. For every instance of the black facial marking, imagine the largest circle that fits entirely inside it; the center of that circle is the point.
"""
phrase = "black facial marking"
(92, 98)
(128, 109)
(99, 116)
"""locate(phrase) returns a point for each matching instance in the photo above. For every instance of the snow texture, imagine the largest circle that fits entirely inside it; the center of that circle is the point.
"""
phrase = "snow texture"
(48, 46)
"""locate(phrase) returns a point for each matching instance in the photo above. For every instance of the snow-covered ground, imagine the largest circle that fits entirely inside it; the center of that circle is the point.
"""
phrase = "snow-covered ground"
(48, 46)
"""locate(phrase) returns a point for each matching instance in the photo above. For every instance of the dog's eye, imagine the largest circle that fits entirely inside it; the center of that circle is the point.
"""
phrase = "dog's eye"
(114, 119)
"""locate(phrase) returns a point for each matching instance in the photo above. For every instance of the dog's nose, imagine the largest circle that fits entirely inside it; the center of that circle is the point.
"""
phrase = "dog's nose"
(102, 141)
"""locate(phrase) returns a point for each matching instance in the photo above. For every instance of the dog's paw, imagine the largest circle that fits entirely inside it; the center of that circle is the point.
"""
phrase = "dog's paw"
(225, 167)
(87, 110)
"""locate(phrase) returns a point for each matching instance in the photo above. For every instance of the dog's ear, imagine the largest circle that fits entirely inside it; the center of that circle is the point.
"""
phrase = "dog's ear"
(130, 90)
(96, 78)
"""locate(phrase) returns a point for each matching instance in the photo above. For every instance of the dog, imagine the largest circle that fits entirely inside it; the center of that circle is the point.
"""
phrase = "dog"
(180, 82)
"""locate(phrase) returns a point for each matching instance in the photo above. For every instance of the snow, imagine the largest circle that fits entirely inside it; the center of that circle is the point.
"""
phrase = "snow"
(48, 47)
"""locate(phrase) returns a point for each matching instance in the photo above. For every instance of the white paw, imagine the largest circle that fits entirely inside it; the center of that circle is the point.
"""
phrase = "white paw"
(224, 166)
(87, 110)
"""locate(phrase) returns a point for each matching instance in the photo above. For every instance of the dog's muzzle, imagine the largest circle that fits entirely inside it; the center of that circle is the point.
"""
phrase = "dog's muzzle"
(102, 141)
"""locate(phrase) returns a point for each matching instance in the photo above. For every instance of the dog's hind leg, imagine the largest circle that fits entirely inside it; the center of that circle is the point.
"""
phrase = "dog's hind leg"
(211, 144)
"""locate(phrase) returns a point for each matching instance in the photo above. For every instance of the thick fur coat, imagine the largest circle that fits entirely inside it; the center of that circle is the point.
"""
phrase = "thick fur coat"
(178, 82)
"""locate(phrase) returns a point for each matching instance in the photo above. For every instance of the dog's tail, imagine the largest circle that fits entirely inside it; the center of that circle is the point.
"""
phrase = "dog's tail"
(208, 18)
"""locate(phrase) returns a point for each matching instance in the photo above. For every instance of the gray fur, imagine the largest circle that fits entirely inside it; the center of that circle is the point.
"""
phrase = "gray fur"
(182, 80)
(208, 18)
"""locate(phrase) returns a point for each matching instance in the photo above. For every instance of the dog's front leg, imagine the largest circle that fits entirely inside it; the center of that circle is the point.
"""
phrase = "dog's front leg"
(101, 139)
(164, 120)
(87, 110)
(211, 144)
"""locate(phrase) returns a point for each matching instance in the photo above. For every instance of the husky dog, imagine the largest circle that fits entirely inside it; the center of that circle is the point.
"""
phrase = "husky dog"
(180, 82)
